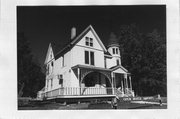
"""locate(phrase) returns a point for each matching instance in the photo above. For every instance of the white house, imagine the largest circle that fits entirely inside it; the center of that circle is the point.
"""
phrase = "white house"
(84, 67)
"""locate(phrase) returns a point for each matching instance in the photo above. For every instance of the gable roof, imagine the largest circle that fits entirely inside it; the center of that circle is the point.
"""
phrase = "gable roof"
(58, 52)
(117, 67)
(50, 46)
(78, 38)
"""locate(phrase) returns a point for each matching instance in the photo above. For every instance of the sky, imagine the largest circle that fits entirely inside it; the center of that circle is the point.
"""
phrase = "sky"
(44, 24)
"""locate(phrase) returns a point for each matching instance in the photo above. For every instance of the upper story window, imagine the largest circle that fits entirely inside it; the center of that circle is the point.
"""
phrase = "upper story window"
(113, 50)
(105, 63)
(52, 64)
(89, 41)
(60, 77)
(117, 61)
(89, 57)
(47, 69)
(116, 50)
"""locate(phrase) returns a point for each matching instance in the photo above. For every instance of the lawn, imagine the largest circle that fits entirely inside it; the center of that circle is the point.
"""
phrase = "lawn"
(91, 106)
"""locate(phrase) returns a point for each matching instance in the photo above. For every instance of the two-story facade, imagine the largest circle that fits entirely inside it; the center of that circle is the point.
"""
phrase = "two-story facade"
(84, 67)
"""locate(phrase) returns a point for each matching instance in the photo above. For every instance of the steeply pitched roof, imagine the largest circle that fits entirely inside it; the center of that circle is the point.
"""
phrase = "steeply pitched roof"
(58, 52)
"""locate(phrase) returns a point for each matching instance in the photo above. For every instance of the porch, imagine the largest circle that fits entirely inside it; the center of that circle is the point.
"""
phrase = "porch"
(74, 92)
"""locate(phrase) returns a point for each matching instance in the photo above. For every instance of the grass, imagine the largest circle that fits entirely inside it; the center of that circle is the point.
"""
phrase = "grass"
(91, 106)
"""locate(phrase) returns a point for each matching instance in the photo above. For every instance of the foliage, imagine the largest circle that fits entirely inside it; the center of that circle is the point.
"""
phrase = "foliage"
(29, 71)
(144, 55)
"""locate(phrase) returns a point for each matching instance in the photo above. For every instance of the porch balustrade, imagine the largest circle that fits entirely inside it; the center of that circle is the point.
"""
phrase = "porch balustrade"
(76, 91)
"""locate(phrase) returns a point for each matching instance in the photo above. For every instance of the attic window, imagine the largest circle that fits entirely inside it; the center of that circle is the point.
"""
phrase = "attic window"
(89, 41)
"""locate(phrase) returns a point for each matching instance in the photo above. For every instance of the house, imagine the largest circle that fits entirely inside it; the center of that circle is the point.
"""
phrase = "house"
(85, 67)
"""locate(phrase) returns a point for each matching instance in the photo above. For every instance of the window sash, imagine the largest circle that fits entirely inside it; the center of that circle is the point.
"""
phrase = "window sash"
(113, 50)
(89, 41)
(116, 51)
(86, 57)
(117, 61)
(92, 58)
(89, 57)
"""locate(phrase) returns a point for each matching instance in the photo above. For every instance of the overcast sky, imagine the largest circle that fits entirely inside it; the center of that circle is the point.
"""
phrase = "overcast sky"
(45, 24)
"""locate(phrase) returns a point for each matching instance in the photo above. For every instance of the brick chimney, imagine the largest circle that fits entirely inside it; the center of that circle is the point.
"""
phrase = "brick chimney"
(73, 33)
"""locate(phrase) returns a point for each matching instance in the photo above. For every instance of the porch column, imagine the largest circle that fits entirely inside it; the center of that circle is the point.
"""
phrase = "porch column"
(114, 80)
(79, 81)
(112, 76)
(125, 79)
(122, 87)
(130, 82)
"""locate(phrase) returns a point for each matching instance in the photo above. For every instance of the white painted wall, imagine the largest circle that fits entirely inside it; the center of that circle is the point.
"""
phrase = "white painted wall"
(78, 52)
(96, 45)
(112, 62)
(74, 57)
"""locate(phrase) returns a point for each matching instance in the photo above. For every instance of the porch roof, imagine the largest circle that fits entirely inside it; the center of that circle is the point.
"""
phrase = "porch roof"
(119, 69)
(91, 67)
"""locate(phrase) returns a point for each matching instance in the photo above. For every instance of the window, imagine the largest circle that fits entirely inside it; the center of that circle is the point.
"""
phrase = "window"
(116, 50)
(86, 57)
(117, 61)
(113, 50)
(89, 57)
(105, 62)
(47, 70)
(92, 58)
(52, 64)
(60, 77)
(89, 41)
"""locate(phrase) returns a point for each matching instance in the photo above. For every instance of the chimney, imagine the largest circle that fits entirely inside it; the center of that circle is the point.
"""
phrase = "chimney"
(73, 33)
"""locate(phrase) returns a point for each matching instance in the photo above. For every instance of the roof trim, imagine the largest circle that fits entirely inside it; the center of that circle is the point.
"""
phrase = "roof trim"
(119, 66)
(94, 32)
(47, 54)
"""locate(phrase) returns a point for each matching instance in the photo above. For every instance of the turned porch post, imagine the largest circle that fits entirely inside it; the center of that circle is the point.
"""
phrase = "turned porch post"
(112, 76)
(125, 79)
(130, 82)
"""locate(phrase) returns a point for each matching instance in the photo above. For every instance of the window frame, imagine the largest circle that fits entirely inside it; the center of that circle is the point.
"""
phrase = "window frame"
(91, 61)
(86, 56)
(117, 62)
(116, 50)
(60, 79)
(89, 41)
(113, 50)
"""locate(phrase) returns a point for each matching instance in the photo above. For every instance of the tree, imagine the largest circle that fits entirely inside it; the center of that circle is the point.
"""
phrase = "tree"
(30, 76)
(144, 55)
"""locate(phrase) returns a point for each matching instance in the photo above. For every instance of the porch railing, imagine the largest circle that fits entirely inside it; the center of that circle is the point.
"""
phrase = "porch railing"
(76, 91)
